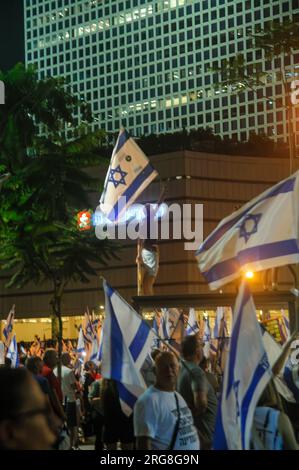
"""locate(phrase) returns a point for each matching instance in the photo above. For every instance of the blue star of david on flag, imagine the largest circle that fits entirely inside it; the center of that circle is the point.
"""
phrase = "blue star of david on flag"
(249, 226)
(120, 180)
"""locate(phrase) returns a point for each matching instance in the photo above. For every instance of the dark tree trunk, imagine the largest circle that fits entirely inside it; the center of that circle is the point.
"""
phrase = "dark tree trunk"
(57, 327)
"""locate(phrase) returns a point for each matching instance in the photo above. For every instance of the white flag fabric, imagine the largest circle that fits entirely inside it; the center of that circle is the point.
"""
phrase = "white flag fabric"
(81, 343)
(159, 329)
(100, 351)
(94, 349)
(246, 374)
(128, 175)
(260, 235)
(127, 339)
(286, 325)
(12, 352)
(218, 321)
(192, 325)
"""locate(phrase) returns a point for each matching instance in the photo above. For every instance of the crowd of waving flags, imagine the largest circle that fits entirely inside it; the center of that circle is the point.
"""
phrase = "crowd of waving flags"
(241, 242)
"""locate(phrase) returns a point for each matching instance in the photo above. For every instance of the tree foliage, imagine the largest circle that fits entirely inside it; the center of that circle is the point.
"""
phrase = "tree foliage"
(48, 184)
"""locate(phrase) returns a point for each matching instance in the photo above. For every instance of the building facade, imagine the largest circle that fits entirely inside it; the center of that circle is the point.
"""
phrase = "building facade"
(219, 182)
(146, 64)
(12, 48)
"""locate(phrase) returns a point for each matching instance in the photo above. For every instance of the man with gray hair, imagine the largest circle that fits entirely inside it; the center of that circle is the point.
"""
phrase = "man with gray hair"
(162, 419)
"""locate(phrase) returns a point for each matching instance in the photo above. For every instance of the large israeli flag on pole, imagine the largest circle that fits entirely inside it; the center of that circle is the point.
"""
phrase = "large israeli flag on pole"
(247, 372)
(127, 339)
(262, 234)
(128, 175)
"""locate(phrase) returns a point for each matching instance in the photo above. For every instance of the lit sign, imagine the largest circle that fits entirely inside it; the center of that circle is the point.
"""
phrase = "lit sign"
(84, 220)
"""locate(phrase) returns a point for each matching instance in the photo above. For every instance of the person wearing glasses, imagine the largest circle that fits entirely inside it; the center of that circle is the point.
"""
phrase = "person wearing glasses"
(24, 413)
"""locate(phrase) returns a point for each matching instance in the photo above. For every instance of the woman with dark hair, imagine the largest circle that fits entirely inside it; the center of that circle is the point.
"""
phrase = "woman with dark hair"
(24, 414)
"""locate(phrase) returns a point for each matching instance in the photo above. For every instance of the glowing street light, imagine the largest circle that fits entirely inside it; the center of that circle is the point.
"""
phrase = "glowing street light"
(249, 275)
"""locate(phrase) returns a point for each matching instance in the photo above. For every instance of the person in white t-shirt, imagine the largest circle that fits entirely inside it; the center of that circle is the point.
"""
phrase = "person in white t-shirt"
(156, 412)
(69, 389)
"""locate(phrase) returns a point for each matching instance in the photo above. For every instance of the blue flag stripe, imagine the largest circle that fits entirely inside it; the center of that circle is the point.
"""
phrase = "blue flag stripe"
(234, 342)
(139, 340)
(117, 350)
(219, 441)
(126, 396)
(124, 136)
(128, 193)
(284, 187)
(258, 374)
(260, 252)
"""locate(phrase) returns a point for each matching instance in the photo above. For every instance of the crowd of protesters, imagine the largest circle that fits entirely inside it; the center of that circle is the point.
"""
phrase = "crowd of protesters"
(177, 411)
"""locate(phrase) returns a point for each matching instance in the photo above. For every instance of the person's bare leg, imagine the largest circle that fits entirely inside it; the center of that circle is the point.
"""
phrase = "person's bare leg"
(148, 284)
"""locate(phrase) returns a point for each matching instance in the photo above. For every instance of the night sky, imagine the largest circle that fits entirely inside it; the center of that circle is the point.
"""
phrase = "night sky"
(11, 33)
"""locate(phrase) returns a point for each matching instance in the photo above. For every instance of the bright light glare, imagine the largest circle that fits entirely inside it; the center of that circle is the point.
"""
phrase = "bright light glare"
(249, 275)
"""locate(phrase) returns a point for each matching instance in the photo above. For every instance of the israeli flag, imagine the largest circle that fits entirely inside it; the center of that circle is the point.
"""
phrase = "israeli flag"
(192, 325)
(158, 330)
(262, 234)
(286, 324)
(173, 327)
(81, 343)
(88, 330)
(218, 322)
(128, 175)
(127, 339)
(7, 331)
(12, 352)
(94, 349)
(246, 374)
(207, 337)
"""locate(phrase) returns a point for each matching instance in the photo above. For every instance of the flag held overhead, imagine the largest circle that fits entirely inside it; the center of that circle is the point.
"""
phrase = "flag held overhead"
(126, 342)
(128, 175)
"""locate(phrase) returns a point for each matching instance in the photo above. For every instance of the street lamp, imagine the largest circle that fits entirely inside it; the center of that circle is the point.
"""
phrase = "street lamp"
(249, 275)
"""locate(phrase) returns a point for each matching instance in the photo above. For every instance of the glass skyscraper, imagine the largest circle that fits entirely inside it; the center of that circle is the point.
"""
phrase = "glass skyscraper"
(146, 64)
